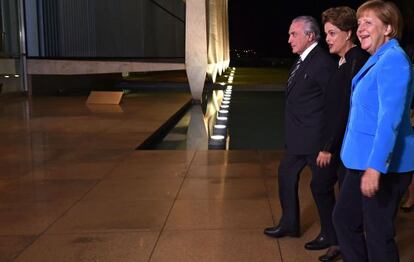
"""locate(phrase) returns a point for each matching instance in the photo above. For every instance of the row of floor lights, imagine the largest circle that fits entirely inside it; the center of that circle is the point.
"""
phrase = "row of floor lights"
(219, 137)
(8, 76)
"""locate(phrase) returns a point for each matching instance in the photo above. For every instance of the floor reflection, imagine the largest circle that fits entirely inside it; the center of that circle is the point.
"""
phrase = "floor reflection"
(249, 120)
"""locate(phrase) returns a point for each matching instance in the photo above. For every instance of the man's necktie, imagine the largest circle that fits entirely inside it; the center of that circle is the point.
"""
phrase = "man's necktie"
(293, 72)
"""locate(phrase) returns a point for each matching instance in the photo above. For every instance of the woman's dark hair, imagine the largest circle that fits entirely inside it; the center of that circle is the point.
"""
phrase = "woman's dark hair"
(342, 17)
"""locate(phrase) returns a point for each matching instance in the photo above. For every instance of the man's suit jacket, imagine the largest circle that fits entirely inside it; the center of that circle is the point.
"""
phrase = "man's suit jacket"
(305, 99)
(379, 133)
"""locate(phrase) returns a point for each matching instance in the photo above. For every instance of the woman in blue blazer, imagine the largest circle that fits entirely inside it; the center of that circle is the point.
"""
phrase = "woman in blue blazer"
(378, 147)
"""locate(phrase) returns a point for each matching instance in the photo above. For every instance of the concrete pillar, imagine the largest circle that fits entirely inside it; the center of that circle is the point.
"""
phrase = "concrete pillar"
(226, 35)
(196, 46)
(217, 37)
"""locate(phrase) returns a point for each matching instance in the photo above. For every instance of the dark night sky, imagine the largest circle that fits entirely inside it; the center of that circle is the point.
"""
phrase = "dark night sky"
(262, 25)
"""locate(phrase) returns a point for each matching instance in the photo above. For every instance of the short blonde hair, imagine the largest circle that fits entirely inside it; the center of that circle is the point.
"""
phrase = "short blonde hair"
(387, 12)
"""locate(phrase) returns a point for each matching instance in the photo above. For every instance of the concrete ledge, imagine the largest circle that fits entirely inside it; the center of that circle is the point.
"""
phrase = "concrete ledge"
(81, 67)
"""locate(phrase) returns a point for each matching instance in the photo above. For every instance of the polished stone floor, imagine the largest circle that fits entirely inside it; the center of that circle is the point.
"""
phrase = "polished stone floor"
(72, 188)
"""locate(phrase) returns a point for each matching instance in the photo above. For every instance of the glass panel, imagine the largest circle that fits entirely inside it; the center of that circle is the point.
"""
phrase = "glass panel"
(10, 56)
(105, 29)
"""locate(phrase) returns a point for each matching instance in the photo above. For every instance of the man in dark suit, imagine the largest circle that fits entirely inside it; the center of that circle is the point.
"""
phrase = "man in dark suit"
(305, 99)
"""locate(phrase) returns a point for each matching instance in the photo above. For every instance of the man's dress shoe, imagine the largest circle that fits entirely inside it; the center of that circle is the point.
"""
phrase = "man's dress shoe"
(408, 209)
(320, 242)
(279, 231)
(331, 256)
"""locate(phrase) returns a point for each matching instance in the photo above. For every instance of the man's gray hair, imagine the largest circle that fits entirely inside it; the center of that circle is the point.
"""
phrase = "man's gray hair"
(311, 25)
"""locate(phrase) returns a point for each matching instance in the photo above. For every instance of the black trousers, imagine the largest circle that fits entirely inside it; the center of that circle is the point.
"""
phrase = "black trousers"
(322, 186)
(365, 226)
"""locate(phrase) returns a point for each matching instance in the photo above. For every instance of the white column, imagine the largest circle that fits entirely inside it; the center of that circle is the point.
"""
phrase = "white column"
(196, 46)
(226, 49)
(217, 37)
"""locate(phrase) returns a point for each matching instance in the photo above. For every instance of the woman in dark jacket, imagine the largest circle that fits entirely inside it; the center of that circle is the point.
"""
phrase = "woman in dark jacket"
(340, 24)
(408, 204)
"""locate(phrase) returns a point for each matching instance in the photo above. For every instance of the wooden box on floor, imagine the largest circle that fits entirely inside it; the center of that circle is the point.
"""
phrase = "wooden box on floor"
(105, 97)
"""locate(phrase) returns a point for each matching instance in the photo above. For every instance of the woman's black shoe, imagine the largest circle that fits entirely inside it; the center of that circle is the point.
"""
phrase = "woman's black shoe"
(407, 209)
(331, 255)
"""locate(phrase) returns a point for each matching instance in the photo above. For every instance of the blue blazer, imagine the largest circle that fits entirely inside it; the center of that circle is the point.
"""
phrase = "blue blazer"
(379, 133)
